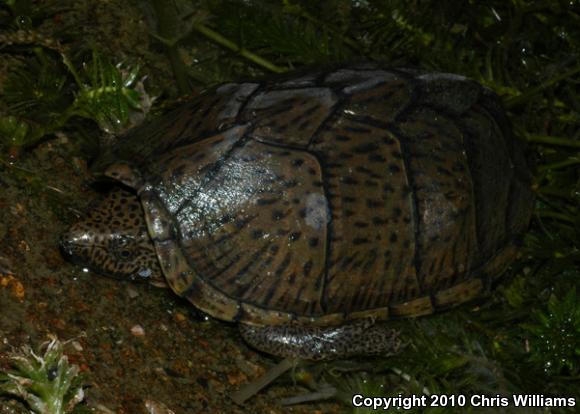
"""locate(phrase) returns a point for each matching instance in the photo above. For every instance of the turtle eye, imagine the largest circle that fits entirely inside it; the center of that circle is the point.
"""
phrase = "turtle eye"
(122, 248)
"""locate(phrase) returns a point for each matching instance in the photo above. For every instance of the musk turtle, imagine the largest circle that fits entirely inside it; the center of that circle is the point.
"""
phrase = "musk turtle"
(310, 206)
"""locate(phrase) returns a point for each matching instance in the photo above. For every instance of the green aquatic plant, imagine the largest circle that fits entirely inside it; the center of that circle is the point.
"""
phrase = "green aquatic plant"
(44, 380)
(108, 94)
(52, 92)
(554, 335)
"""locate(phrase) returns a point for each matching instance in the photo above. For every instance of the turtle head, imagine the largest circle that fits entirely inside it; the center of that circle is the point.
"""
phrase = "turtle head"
(113, 240)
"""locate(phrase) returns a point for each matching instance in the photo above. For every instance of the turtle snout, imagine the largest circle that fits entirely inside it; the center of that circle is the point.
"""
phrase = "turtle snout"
(74, 243)
(67, 247)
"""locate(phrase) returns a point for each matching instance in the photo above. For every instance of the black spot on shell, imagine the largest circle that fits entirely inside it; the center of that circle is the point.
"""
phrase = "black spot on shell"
(365, 148)
(307, 268)
(313, 242)
(257, 234)
(393, 238)
(266, 201)
(374, 203)
(379, 221)
(377, 158)
(290, 183)
(394, 168)
(444, 171)
(297, 162)
(294, 236)
(450, 195)
(304, 125)
(349, 181)
(388, 188)
(226, 218)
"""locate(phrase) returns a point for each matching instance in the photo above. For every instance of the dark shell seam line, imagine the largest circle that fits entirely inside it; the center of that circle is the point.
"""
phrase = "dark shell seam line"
(331, 115)
(489, 116)
(468, 166)
(326, 189)
(247, 100)
(284, 146)
(405, 150)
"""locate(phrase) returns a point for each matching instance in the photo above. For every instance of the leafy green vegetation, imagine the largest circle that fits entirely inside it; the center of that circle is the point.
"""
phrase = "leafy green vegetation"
(525, 338)
(44, 380)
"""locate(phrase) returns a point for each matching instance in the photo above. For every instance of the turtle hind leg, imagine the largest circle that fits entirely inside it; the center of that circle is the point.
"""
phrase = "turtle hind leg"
(360, 337)
(293, 342)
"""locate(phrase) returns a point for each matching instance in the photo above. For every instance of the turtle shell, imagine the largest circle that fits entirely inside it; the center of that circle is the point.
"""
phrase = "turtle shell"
(333, 195)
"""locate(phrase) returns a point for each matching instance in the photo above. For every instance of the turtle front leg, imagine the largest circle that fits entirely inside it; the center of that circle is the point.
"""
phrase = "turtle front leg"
(360, 337)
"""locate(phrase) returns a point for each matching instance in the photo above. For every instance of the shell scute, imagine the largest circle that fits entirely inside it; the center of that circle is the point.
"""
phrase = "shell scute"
(289, 116)
(443, 197)
(383, 102)
(449, 93)
(261, 198)
(372, 231)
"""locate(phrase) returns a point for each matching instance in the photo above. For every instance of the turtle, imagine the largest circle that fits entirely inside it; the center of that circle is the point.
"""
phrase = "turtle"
(311, 207)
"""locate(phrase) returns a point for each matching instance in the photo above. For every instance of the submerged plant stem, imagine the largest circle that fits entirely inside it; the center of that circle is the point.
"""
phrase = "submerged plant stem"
(560, 164)
(546, 139)
(166, 18)
(520, 99)
(221, 40)
(557, 216)
(253, 387)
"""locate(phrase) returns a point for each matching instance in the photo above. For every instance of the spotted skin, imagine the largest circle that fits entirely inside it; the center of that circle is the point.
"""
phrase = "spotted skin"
(306, 206)
(360, 337)
(113, 240)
